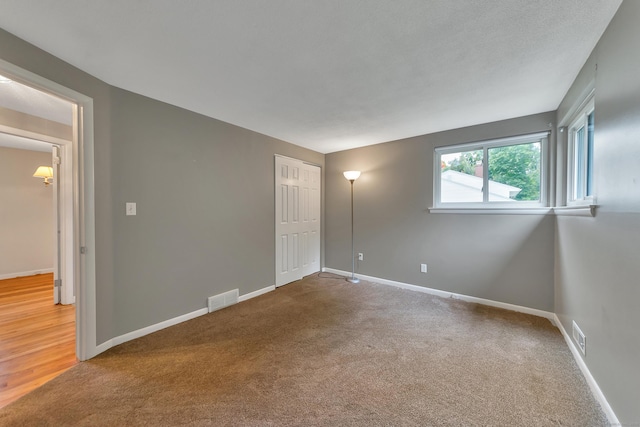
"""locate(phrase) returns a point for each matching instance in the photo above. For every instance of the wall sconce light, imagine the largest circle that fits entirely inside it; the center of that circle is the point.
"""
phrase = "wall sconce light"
(351, 176)
(45, 172)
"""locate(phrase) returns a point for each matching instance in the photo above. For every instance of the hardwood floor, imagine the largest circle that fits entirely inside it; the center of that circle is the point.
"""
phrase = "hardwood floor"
(37, 338)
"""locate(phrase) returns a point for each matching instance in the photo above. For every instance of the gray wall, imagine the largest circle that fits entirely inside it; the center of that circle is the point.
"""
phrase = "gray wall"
(598, 259)
(205, 197)
(506, 258)
(205, 209)
(26, 213)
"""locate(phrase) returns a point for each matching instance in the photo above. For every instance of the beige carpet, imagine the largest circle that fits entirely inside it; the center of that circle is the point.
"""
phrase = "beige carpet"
(324, 352)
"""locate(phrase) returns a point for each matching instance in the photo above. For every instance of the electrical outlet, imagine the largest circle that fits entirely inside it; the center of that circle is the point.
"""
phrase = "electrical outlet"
(360, 256)
(423, 268)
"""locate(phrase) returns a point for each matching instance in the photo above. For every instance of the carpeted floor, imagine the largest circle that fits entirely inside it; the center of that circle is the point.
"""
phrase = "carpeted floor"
(325, 352)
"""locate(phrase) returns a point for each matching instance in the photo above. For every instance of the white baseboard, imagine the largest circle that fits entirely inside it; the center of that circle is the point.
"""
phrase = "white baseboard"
(170, 322)
(147, 330)
(101, 348)
(595, 389)
(26, 273)
(593, 385)
(446, 294)
(256, 293)
(158, 326)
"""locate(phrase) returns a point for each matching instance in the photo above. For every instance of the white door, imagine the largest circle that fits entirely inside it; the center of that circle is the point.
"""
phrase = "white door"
(311, 220)
(297, 188)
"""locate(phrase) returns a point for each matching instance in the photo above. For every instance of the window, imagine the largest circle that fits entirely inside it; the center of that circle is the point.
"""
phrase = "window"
(508, 172)
(580, 157)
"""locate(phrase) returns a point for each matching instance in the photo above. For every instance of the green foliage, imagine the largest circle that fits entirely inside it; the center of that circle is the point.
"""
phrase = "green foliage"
(519, 166)
(466, 163)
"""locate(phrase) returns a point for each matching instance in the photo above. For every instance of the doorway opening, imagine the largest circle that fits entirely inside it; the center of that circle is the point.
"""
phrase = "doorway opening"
(76, 186)
(38, 340)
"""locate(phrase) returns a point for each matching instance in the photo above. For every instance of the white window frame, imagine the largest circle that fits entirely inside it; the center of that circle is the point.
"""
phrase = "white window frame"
(486, 205)
(579, 121)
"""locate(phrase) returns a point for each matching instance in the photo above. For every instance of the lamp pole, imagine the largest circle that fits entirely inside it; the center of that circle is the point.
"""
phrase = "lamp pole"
(352, 176)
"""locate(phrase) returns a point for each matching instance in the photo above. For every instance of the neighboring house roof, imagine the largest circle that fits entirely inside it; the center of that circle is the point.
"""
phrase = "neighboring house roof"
(457, 187)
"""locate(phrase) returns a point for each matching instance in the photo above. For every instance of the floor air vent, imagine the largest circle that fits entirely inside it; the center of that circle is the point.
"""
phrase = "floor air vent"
(223, 300)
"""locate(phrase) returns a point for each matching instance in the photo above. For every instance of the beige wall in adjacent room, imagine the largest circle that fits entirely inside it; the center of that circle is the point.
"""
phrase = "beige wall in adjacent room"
(26, 214)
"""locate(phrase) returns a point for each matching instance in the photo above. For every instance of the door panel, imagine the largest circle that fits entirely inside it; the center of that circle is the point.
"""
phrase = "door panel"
(284, 250)
(295, 203)
(284, 204)
(295, 253)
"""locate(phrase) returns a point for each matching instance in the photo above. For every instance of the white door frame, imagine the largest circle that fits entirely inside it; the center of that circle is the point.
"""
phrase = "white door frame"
(82, 216)
(63, 212)
(64, 222)
(56, 152)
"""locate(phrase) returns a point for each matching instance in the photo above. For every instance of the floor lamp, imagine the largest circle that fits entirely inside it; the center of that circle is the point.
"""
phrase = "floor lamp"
(352, 176)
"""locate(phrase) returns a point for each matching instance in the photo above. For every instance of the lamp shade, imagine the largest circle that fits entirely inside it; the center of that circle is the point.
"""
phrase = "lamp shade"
(351, 175)
(44, 172)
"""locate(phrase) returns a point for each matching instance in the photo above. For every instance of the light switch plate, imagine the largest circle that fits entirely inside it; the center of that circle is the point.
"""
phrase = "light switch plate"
(131, 208)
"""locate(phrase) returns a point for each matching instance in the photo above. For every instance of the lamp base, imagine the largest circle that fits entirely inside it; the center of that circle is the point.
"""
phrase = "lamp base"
(353, 280)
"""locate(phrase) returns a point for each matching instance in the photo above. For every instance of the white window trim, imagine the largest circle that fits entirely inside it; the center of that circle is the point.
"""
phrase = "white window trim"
(494, 211)
(577, 121)
(540, 207)
(586, 210)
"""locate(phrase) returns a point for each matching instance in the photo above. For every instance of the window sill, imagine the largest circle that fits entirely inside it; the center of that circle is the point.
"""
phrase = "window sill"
(493, 211)
(587, 210)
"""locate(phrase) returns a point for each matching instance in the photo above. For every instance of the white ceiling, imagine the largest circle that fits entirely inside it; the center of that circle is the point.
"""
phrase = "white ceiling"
(25, 99)
(332, 74)
(12, 141)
